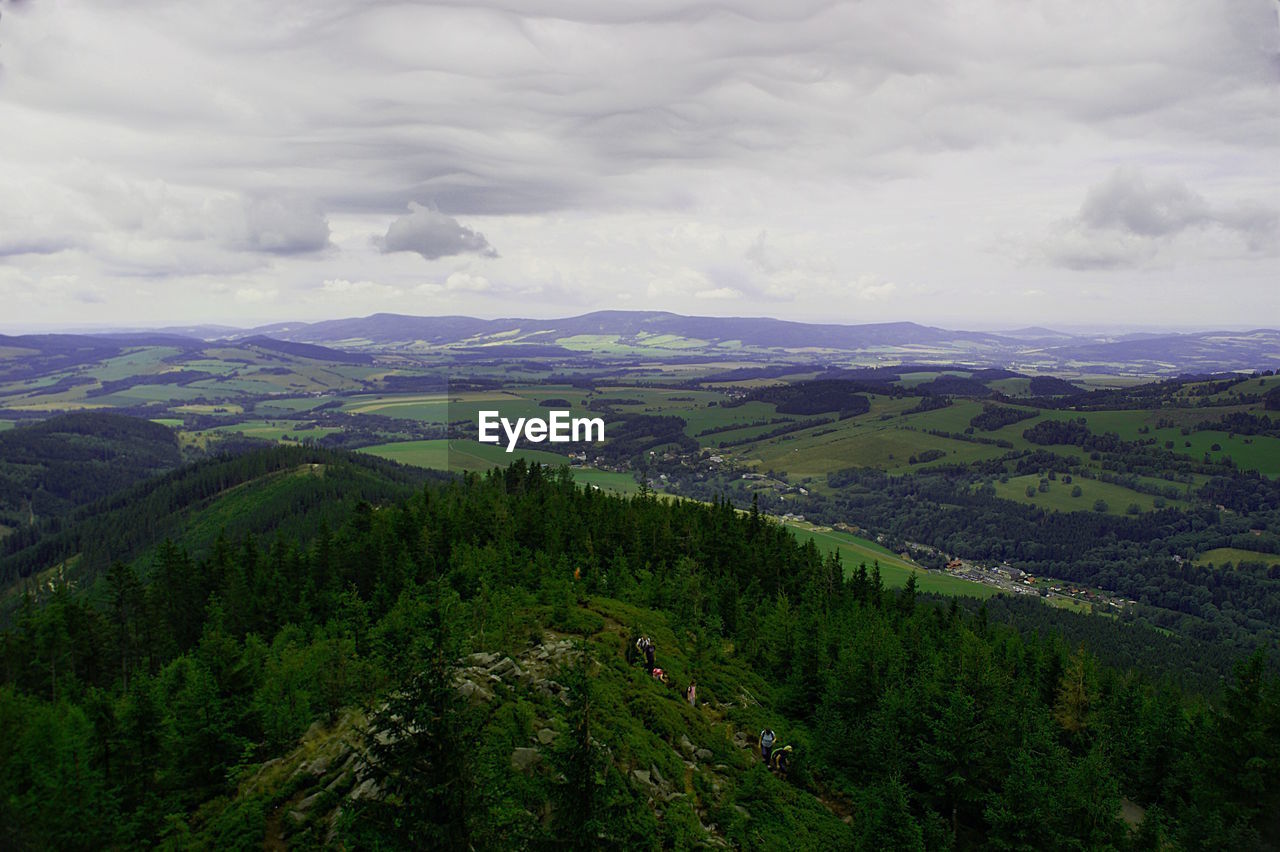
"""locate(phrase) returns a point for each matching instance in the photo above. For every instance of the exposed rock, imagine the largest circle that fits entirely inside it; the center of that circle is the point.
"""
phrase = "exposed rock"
(306, 804)
(740, 809)
(320, 765)
(482, 659)
(657, 776)
(507, 668)
(642, 776)
(703, 754)
(366, 789)
(474, 691)
(523, 759)
(686, 744)
(547, 736)
(340, 782)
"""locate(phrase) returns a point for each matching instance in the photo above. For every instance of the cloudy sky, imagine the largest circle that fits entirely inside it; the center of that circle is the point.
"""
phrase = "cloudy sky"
(982, 164)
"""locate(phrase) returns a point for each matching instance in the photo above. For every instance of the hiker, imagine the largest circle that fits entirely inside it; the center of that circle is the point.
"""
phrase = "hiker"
(691, 694)
(766, 744)
(780, 760)
(658, 674)
(645, 646)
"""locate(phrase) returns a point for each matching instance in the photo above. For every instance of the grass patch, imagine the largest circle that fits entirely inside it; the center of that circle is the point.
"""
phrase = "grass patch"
(1235, 555)
(1058, 498)
(894, 570)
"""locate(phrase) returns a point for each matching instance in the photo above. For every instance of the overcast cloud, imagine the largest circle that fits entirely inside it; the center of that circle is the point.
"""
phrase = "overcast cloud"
(989, 163)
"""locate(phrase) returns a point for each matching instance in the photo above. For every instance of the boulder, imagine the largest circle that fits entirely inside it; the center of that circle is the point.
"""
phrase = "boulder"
(366, 789)
(482, 659)
(474, 691)
(547, 736)
(642, 776)
(685, 744)
(703, 754)
(523, 759)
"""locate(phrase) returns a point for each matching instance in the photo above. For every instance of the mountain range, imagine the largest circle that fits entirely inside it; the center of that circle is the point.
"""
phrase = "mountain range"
(628, 334)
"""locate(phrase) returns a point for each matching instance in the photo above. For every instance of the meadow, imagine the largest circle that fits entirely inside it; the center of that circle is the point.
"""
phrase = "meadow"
(894, 569)
(1220, 556)
(1058, 498)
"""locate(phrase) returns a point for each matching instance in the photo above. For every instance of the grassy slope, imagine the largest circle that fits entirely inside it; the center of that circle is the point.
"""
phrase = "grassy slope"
(893, 569)
(1234, 555)
(1058, 497)
(641, 721)
(465, 455)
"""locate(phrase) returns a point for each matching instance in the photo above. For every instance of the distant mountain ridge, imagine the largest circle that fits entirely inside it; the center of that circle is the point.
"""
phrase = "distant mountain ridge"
(390, 329)
(665, 335)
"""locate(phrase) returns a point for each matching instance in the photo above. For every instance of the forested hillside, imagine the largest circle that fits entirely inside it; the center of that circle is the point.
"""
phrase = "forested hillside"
(48, 468)
(285, 490)
(352, 687)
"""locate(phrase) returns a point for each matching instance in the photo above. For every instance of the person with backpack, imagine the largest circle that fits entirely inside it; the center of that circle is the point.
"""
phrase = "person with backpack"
(781, 760)
(645, 646)
(766, 744)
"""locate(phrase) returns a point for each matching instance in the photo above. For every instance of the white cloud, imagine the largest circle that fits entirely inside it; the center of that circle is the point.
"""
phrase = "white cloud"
(719, 293)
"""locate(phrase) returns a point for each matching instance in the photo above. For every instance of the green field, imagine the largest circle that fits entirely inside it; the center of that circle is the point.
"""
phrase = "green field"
(893, 568)
(5, 424)
(458, 454)
(1234, 555)
(806, 454)
(464, 455)
(292, 405)
(134, 363)
(277, 430)
(1058, 497)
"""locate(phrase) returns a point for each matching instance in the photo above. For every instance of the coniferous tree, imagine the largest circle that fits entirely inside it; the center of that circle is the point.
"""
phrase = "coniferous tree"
(419, 746)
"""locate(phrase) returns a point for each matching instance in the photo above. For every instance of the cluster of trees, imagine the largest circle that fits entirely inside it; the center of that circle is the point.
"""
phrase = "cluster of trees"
(941, 727)
(817, 397)
(994, 417)
(1242, 423)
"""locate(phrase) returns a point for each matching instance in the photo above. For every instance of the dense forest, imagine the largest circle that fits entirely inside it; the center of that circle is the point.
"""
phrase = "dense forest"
(55, 465)
(151, 707)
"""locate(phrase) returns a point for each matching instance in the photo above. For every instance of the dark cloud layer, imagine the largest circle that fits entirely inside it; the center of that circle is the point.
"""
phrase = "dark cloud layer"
(1126, 218)
(433, 235)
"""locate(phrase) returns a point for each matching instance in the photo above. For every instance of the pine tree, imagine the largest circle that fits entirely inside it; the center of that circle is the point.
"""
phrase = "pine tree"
(419, 747)
(1077, 694)
(579, 815)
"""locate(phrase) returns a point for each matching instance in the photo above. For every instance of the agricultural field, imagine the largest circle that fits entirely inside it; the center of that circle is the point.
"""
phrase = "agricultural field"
(146, 361)
(816, 452)
(1233, 555)
(458, 455)
(278, 430)
(1059, 497)
(894, 570)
